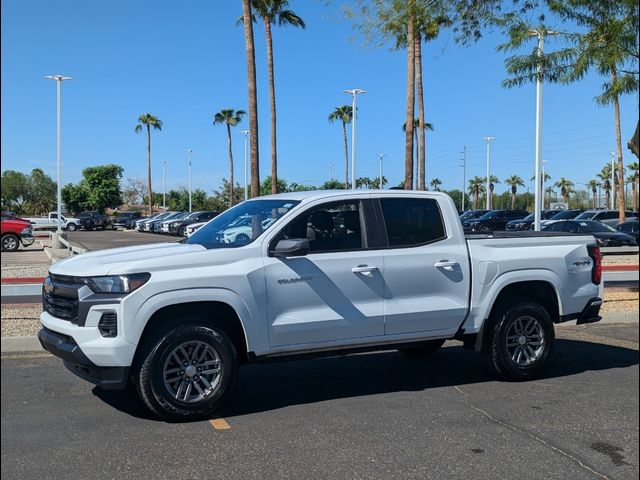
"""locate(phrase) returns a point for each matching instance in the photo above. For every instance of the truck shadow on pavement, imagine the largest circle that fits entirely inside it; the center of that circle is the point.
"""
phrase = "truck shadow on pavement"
(271, 386)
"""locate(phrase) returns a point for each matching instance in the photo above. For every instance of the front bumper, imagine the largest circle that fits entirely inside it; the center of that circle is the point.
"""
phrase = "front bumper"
(66, 348)
(27, 239)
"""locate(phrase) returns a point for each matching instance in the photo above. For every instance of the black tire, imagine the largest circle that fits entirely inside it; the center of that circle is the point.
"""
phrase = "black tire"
(147, 374)
(485, 228)
(10, 242)
(423, 350)
(508, 358)
(72, 227)
(181, 232)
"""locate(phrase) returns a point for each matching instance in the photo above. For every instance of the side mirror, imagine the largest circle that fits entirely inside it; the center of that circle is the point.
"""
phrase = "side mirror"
(292, 247)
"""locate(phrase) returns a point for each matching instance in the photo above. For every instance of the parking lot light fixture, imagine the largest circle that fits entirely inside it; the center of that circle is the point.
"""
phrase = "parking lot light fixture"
(354, 93)
(246, 156)
(189, 156)
(59, 79)
(488, 192)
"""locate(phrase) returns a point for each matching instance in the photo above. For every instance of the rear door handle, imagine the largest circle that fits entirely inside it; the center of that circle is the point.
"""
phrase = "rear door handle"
(365, 270)
(446, 265)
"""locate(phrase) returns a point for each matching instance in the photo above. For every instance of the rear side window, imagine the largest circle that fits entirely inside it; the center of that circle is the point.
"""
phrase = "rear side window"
(412, 221)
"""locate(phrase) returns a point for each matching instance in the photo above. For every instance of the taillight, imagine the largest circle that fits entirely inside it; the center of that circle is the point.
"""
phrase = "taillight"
(596, 271)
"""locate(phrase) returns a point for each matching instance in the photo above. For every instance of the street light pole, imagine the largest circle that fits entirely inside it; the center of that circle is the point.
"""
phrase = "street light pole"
(330, 171)
(488, 140)
(246, 193)
(189, 155)
(164, 193)
(381, 157)
(464, 173)
(353, 92)
(544, 162)
(613, 180)
(59, 79)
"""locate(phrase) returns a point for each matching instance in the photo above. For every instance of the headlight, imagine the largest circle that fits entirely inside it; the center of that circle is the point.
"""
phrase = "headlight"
(117, 283)
(26, 231)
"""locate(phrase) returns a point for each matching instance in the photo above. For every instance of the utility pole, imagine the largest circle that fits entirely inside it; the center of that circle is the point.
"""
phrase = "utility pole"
(330, 171)
(464, 174)
(381, 157)
(164, 194)
(488, 193)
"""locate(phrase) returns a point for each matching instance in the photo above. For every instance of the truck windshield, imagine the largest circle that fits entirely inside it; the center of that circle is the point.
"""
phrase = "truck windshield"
(241, 224)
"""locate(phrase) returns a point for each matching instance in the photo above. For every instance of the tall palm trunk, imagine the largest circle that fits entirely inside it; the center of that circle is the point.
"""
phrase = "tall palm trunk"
(253, 94)
(411, 67)
(231, 181)
(149, 170)
(513, 198)
(593, 195)
(475, 199)
(417, 154)
(616, 110)
(634, 196)
(346, 156)
(421, 127)
(272, 101)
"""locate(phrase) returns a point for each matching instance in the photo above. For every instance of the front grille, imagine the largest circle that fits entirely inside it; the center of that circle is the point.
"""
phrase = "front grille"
(60, 297)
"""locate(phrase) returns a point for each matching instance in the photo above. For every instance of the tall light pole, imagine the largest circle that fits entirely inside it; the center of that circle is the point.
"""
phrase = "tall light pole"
(59, 79)
(613, 180)
(330, 171)
(246, 193)
(464, 174)
(381, 157)
(488, 193)
(164, 192)
(189, 151)
(544, 162)
(539, 192)
(354, 93)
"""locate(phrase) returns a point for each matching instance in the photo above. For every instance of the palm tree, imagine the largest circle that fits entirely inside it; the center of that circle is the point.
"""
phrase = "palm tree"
(411, 72)
(419, 157)
(435, 184)
(274, 12)
(148, 121)
(633, 179)
(593, 186)
(230, 118)
(605, 176)
(476, 186)
(566, 188)
(514, 181)
(345, 115)
(253, 96)
(492, 181)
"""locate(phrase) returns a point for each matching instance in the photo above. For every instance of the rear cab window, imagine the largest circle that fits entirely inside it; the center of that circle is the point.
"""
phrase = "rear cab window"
(412, 222)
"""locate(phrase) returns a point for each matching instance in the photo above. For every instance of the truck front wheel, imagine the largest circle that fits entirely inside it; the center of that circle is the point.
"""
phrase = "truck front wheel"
(10, 242)
(71, 227)
(187, 372)
(519, 340)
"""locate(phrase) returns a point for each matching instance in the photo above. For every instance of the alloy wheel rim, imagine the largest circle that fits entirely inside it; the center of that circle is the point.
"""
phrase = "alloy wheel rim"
(525, 341)
(192, 372)
(10, 243)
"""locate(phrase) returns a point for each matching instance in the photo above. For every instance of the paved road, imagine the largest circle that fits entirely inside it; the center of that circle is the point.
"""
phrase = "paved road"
(99, 240)
(31, 255)
(376, 415)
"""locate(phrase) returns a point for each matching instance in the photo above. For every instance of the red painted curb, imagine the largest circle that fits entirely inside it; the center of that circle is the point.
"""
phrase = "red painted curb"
(18, 281)
(620, 268)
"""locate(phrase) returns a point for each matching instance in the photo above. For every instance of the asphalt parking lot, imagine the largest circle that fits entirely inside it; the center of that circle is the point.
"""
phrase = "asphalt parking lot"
(376, 415)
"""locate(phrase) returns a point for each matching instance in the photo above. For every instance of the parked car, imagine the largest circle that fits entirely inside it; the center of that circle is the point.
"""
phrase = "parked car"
(526, 222)
(125, 220)
(51, 221)
(629, 227)
(606, 236)
(493, 221)
(471, 214)
(145, 225)
(563, 215)
(177, 319)
(155, 226)
(191, 229)
(610, 217)
(92, 220)
(139, 224)
(15, 231)
(164, 225)
(178, 227)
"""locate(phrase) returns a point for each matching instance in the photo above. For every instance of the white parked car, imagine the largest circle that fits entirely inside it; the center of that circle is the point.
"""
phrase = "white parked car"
(332, 272)
(242, 233)
(191, 229)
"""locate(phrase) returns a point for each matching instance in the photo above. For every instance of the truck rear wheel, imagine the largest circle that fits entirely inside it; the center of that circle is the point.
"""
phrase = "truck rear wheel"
(423, 350)
(71, 227)
(519, 340)
(187, 372)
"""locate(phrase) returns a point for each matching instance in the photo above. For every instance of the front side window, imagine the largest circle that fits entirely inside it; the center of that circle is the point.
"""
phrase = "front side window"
(412, 221)
(241, 224)
(329, 227)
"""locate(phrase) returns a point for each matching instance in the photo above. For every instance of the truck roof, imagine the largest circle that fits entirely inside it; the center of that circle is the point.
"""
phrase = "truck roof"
(313, 194)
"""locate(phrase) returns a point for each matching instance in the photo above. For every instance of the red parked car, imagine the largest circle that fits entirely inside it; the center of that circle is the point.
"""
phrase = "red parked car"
(15, 231)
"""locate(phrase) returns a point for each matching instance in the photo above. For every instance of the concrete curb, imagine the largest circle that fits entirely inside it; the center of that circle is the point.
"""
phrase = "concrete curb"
(32, 344)
(21, 344)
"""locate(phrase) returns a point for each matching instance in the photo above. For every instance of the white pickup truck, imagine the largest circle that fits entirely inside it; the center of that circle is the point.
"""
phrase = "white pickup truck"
(334, 272)
(51, 221)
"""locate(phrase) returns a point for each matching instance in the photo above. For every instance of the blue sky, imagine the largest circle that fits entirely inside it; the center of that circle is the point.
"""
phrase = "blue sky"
(184, 61)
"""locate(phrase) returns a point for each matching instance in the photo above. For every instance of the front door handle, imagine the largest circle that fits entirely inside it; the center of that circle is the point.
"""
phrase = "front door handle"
(446, 265)
(366, 270)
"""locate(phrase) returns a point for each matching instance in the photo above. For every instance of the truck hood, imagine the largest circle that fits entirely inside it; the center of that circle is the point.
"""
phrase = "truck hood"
(141, 258)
